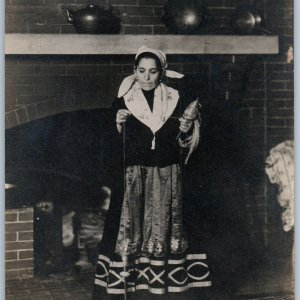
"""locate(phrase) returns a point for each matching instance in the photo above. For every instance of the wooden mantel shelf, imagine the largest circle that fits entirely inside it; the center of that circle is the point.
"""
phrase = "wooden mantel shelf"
(80, 44)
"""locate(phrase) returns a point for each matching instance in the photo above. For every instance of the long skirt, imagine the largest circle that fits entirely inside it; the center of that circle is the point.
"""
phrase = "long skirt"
(151, 246)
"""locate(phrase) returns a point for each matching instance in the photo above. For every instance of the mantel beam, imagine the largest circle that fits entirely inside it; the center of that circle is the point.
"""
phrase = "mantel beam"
(84, 44)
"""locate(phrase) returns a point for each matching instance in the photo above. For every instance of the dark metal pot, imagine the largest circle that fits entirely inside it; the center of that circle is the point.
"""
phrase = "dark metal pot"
(94, 20)
(183, 16)
(247, 19)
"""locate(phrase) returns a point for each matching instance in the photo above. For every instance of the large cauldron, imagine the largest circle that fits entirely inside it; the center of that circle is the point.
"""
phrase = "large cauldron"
(93, 20)
(183, 16)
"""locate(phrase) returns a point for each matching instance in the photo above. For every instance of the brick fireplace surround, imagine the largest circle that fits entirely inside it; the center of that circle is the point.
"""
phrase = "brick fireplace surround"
(41, 86)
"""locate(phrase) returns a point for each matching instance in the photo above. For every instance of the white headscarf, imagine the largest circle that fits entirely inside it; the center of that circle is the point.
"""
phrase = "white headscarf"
(128, 81)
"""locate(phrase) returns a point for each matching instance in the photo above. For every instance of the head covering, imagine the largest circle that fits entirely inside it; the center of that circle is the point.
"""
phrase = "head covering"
(128, 81)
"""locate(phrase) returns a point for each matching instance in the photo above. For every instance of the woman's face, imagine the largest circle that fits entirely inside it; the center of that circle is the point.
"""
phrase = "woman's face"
(148, 74)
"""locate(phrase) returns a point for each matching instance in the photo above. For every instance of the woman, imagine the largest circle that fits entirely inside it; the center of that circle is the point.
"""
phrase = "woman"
(145, 249)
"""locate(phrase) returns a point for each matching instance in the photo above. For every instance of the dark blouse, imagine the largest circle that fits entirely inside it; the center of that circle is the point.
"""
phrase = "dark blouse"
(138, 138)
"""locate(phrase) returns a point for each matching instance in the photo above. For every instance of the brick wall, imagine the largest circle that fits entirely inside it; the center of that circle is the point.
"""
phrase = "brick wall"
(268, 116)
(40, 86)
(279, 106)
(19, 243)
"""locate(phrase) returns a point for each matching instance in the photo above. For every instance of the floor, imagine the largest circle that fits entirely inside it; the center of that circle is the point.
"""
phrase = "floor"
(70, 286)
(79, 286)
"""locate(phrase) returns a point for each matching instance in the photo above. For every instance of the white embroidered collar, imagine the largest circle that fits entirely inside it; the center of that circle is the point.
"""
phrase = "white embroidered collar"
(165, 101)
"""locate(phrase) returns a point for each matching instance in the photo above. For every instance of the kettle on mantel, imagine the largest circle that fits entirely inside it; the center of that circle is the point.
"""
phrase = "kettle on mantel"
(94, 20)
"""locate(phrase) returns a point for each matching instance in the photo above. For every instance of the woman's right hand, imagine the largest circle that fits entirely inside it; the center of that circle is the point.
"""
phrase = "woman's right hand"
(122, 116)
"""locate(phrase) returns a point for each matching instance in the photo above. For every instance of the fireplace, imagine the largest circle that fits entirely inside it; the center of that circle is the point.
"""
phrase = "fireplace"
(58, 160)
(56, 104)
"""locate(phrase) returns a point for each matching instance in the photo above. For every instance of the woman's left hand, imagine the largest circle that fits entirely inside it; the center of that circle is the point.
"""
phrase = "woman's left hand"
(185, 125)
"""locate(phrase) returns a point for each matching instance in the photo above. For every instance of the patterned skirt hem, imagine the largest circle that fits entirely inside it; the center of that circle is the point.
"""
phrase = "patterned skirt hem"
(158, 276)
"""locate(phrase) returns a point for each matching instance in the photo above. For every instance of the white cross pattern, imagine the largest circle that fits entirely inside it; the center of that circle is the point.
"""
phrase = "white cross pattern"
(121, 279)
(157, 277)
(143, 273)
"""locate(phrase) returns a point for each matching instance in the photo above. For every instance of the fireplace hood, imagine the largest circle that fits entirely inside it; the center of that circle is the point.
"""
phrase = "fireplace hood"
(84, 44)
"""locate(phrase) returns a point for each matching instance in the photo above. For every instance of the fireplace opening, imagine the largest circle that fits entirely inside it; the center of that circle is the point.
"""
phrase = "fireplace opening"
(57, 166)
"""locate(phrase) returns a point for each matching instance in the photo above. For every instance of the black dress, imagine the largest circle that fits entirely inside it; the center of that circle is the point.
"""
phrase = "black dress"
(170, 268)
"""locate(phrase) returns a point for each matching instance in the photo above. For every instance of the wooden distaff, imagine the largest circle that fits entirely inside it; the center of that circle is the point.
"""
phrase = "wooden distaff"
(192, 113)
